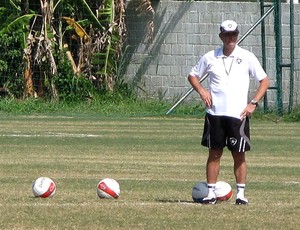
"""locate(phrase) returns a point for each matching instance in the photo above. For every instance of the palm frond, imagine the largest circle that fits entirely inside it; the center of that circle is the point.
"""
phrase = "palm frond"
(77, 27)
(18, 23)
(90, 15)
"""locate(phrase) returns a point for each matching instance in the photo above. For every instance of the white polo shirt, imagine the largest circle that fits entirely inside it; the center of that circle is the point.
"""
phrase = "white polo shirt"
(229, 79)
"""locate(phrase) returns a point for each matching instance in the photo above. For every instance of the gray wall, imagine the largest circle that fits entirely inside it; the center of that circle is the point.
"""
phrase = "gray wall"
(186, 30)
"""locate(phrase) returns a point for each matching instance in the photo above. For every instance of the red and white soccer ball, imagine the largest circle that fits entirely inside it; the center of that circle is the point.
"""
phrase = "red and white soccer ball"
(108, 188)
(223, 191)
(43, 187)
(199, 191)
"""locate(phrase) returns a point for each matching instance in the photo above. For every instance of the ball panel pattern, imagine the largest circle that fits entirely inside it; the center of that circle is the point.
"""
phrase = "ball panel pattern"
(199, 191)
(43, 187)
(50, 192)
(105, 189)
(108, 188)
(223, 191)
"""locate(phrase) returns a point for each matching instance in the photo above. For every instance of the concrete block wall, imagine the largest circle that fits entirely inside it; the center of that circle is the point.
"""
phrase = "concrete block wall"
(186, 30)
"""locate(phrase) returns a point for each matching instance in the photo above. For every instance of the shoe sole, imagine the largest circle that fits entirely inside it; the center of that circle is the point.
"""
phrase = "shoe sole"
(211, 201)
(241, 202)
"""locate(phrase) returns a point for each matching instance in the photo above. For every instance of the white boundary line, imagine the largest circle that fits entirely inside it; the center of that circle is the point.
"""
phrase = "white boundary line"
(50, 135)
(118, 202)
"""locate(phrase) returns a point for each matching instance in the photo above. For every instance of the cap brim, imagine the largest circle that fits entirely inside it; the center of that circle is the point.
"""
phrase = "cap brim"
(227, 32)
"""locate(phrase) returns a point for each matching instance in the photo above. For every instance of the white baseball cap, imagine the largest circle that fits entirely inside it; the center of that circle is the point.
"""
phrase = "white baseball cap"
(229, 26)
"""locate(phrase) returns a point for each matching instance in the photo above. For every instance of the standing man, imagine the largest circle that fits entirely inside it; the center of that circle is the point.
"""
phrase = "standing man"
(227, 107)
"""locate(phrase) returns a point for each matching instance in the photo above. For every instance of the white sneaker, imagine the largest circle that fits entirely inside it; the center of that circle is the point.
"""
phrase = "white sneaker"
(209, 200)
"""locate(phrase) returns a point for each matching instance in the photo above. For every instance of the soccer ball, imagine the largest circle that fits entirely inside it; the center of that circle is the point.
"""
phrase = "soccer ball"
(199, 191)
(108, 188)
(223, 191)
(43, 187)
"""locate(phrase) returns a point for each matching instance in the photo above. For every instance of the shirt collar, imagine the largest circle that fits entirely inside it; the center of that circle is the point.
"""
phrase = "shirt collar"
(220, 54)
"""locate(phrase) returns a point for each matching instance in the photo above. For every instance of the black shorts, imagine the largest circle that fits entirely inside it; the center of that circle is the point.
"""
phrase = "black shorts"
(221, 131)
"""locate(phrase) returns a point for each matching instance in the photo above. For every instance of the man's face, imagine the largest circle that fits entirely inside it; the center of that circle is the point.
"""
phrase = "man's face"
(229, 39)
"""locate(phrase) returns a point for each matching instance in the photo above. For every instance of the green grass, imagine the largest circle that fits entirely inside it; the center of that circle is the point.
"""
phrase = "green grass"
(116, 107)
(156, 160)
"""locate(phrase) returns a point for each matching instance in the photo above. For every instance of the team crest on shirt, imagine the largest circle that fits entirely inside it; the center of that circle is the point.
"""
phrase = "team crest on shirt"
(239, 60)
(232, 141)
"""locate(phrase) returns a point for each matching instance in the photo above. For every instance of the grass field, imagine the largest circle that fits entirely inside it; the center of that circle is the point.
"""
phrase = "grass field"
(156, 160)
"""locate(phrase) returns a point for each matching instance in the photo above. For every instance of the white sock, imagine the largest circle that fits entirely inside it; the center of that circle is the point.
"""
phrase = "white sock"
(211, 190)
(240, 190)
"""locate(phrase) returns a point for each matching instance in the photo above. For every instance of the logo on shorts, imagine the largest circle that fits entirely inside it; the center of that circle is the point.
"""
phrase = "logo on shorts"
(232, 141)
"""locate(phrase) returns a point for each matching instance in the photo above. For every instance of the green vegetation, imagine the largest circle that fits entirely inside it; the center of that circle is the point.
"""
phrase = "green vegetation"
(108, 105)
(61, 49)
